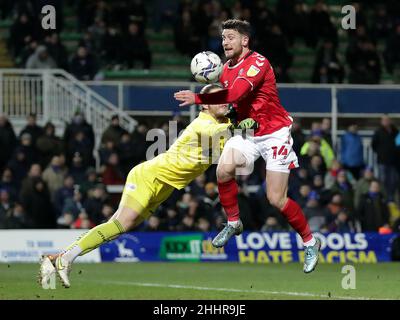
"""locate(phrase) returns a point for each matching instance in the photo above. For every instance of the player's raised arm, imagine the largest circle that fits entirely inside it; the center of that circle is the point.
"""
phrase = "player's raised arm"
(240, 88)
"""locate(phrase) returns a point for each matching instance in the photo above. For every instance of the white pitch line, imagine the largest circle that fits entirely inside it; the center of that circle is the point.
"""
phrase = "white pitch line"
(178, 286)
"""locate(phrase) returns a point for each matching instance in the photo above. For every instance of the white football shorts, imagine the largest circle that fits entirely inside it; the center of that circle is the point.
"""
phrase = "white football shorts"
(276, 149)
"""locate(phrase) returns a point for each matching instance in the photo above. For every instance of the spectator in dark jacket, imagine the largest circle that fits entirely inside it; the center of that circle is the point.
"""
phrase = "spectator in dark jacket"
(362, 185)
(32, 128)
(111, 40)
(316, 215)
(186, 37)
(107, 212)
(94, 204)
(113, 132)
(293, 18)
(8, 140)
(364, 62)
(126, 152)
(97, 31)
(35, 171)
(8, 183)
(276, 48)
(382, 23)
(303, 193)
(28, 50)
(344, 187)
(352, 156)
(105, 151)
(57, 50)
(27, 147)
(6, 205)
(17, 218)
(321, 26)
(342, 223)
(172, 219)
(392, 51)
(89, 183)
(81, 144)
(64, 193)
(186, 224)
(83, 64)
(78, 169)
(316, 166)
(373, 212)
(48, 145)
(38, 206)
(139, 140)
(136, 47)
(78, 123)
(383, 144)
(74, 205)
(19, 166)
(298, 136)
(327, 68)
(23, 27)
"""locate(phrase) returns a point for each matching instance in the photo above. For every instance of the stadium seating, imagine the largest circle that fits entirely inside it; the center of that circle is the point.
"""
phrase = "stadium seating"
(166, 57)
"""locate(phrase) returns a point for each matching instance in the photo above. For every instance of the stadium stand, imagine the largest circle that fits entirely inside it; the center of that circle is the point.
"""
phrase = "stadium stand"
(76, 189)
(375, 27)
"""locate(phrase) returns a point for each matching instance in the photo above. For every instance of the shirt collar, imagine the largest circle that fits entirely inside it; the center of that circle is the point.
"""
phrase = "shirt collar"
(240, 61)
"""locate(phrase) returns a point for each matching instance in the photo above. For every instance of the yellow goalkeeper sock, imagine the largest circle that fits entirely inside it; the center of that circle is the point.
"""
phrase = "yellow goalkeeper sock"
(93, 239)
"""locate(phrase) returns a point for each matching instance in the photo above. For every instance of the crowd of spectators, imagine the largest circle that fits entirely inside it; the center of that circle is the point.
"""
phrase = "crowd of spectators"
(48, 181)
(277, 29)
(114, 37)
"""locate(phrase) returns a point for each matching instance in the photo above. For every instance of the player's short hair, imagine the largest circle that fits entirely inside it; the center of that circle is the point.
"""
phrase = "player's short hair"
(241, 26)
(208, 88)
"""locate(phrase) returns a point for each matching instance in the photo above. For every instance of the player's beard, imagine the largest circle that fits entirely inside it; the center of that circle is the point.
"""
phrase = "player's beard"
(233, 54)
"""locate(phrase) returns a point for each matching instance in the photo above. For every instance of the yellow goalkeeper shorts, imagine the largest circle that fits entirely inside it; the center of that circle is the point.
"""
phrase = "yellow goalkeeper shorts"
(143, 192)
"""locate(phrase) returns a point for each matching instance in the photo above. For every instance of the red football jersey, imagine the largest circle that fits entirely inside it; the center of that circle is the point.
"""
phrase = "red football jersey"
(251, 85)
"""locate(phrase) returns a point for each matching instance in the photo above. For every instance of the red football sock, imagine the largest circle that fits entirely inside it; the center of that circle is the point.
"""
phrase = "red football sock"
(297, 220)
(228, 192)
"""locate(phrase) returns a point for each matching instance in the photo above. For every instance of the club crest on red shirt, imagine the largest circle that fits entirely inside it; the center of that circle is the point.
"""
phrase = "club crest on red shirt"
(253, 71)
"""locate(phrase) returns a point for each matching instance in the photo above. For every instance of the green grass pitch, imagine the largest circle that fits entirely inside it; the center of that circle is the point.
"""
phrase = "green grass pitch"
(152, 281)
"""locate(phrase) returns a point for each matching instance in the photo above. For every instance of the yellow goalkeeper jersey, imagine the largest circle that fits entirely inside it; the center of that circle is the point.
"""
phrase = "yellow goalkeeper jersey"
(199, 146)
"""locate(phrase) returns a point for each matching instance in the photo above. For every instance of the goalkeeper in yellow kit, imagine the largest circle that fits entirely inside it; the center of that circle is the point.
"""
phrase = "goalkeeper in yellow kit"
(152, 182)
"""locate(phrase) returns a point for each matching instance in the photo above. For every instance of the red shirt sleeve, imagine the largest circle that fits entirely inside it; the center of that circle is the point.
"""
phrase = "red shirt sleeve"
(239, 89)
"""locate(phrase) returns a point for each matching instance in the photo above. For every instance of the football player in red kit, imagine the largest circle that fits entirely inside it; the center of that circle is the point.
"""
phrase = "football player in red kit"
(249, 82)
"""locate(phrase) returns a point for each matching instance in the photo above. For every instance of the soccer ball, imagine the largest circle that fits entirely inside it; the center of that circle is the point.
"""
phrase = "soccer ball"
(206, 67)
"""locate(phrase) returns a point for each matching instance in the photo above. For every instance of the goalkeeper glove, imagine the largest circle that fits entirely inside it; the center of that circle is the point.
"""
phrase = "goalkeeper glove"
(248, 123)
(231, 114)
(244, 125)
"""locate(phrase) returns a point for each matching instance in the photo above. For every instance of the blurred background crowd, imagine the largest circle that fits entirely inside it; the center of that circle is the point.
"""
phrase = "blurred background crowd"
(303, 39)
(49, 181)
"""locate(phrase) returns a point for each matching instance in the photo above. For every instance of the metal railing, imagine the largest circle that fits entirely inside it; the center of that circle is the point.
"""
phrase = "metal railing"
(55, 95)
